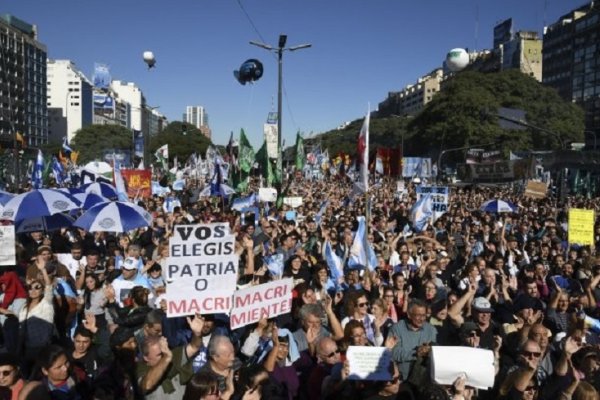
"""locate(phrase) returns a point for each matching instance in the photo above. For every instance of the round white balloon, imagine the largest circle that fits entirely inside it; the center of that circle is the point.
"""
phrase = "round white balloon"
(457, 59)
(148, 56)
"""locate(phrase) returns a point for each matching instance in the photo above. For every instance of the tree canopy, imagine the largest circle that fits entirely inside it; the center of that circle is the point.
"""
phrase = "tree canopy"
(465, 113)
(182, 143)
(91, 141)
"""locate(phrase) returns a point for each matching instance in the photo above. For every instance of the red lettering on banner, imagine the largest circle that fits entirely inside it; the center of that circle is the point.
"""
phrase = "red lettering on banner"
(199, 306)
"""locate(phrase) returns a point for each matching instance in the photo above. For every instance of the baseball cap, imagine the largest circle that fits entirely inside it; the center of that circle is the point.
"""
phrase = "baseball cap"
(482, 304)
(130, 263)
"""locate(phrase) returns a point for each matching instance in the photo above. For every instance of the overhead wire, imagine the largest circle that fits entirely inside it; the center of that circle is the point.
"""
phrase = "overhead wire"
(285, 95)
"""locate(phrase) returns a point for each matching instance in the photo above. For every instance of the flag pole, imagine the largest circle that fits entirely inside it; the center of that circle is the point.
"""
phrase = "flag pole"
(366, 166)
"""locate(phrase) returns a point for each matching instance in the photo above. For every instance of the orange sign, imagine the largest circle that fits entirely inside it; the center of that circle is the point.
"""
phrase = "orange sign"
(138, 182)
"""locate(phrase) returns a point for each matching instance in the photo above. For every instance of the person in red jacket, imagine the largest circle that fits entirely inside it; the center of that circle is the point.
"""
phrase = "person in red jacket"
(12, 299)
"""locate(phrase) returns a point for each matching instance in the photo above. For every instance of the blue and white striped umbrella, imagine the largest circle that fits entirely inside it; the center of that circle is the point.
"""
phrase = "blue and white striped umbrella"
(89, 200)
(101, 189)
(115, 216)
(498, 206)
(38, 203)
(44, 224)
(5, 197)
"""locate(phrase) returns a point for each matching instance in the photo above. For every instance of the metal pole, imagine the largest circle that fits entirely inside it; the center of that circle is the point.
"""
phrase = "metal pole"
(279, 102)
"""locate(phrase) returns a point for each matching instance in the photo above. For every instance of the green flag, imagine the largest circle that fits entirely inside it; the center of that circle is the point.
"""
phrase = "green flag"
(300, 157)
(245, 153)
(262, 158)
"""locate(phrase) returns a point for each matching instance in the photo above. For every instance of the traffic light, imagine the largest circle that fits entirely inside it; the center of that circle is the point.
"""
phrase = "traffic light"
(184, 129)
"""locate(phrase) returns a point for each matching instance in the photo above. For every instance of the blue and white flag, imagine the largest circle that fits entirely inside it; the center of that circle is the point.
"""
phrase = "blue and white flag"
(422, 212)
(119, 181)
(274, 264)
(159, 190)
(65, 146)
(322, 210)
(58, 171)
(38, 170)
(243, 202)
(334, 263)
(361, 251)
(217, 187)
(179, 185)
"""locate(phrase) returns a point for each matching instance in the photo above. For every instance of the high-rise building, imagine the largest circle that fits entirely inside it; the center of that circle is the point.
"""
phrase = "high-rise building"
(128, 92)
(22, 83)
(69, 100)
(572, 61)
(412, 98)
(197, 116)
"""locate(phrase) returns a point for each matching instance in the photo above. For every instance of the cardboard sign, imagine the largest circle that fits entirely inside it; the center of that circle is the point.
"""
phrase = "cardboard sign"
(477, 365)
(536, 190)
(370, 363)
(267, 194)
(7, 245)
(261, 301)
(139, 182)
(581, 226)
(439, 197)
(201, 271)
(293, 202)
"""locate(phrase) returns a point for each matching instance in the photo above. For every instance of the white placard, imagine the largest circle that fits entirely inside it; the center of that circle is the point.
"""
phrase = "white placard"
(201, 271)
(267, 194)
(7, 245)
(476, 364)
(270, 131)
(292, 201)
(370, 363)
(261, 301)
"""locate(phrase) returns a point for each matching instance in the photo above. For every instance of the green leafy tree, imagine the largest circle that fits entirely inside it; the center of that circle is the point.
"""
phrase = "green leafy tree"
(92, 140)
(465, 113)
(383, 132)
(183, 140)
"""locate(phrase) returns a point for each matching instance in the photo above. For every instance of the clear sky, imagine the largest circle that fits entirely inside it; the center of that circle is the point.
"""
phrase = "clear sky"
(361, 50)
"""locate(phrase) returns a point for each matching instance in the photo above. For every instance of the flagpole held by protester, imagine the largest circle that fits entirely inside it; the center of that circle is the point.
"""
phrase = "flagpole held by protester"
(363, 158)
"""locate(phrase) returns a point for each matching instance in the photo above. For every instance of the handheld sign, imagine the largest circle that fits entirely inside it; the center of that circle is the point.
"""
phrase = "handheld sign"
(7, 245)
(581, 226)
(370, 363)
(202, 270)
(261, 301)
(477, 365)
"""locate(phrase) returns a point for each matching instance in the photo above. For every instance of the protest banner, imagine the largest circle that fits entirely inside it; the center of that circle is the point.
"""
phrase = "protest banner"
(139, 182)
(370, 363)
(439, 197)
(261, 301)
(7, 245)
(293, 202)
(536, 190)
(581, 226)
(477, 365)
(201, 271)
(267, 194)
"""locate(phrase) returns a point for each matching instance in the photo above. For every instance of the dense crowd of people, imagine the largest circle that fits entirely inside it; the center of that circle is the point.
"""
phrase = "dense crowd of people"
(83, 314)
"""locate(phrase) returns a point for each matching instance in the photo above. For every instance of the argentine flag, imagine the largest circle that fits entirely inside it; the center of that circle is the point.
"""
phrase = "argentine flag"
(361, 252)
(422, 213)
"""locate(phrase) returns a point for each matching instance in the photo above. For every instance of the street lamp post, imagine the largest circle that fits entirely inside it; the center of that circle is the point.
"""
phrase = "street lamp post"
(279, 50)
